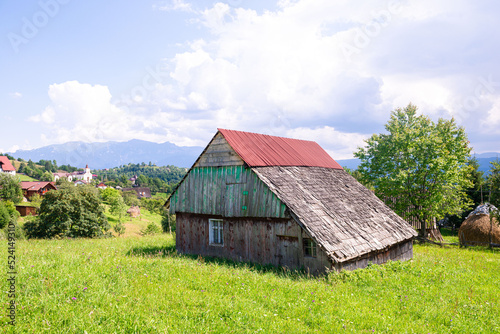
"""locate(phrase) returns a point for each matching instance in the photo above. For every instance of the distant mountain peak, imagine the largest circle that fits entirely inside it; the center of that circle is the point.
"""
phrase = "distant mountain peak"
(100, 155)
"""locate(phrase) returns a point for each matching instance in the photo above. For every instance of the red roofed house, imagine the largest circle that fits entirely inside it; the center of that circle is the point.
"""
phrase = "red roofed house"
(6, 165)
(36, 187)
(285, 202)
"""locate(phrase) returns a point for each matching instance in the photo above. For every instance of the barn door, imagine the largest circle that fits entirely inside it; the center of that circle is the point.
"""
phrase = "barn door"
(287, 251)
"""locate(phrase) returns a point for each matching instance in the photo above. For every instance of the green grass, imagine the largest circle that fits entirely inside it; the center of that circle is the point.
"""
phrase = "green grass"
(133, 226)
(140, 285)
(25, 178)
(449, 235)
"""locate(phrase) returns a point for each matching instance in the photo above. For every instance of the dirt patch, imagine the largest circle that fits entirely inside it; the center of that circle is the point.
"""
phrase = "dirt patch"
(476, 229)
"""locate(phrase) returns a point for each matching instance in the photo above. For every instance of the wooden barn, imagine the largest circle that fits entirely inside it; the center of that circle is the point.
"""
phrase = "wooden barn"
(285, 202)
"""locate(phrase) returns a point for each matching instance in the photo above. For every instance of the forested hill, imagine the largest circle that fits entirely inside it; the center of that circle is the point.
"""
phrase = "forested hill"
(158, 178)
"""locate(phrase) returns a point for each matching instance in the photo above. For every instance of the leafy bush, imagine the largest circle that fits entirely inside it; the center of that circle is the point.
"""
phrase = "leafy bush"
(10, 188)
(69, 212)
(119, 228)
(19, 232)
(5, 216)
(130, 198)
(109, 194)
(151, 229)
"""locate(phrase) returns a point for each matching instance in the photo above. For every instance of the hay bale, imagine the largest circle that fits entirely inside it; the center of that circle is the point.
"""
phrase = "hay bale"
(476, 229)
(134, 211)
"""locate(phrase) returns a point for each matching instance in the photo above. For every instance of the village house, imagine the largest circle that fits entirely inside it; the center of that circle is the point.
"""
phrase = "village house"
(36, 187)
(6, 166)
(142, 192)
(285, 202)
(85, 175)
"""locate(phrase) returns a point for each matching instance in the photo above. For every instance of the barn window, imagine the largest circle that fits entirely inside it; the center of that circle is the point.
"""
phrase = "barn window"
(216, 232)
(309, 248)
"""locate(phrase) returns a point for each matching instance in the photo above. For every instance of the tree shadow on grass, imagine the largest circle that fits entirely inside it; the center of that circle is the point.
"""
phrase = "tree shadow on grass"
(170, 251)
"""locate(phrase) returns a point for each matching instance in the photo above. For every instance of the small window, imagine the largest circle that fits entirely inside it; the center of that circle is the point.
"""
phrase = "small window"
(216, 232)
(309, 248)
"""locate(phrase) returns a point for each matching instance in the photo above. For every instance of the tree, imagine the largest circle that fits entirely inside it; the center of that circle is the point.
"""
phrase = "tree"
(69, 212)
(153, 205)
(10, 188)
(130, 198)
(47, 176)
(142, 181)
(167, 222)
(109, 194)
(118, 207)
(494, 183)
(419, 167)
(36, 200)
(476, 192)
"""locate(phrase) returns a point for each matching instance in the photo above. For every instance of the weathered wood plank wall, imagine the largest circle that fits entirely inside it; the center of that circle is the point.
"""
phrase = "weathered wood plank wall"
(230, 191)
(266, 241)
(219, 153)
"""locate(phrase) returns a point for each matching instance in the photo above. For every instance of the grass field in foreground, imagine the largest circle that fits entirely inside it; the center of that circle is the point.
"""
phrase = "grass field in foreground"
(139, 285)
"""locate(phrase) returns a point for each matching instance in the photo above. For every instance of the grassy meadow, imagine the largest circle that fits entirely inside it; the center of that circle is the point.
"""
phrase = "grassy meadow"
(134, 284)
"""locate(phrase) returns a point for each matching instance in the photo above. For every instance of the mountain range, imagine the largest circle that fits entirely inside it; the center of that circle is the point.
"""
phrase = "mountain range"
(113, 154)
(483, 159)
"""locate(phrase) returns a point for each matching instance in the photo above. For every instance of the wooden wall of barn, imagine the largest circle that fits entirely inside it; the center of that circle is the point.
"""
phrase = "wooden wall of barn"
(229, 191)
(266, 241)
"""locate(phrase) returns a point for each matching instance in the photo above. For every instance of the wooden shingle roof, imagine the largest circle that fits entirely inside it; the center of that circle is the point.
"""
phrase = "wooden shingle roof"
(346, 219)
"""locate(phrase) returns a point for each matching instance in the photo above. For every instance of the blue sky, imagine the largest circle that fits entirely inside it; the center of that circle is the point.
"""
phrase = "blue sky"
(329, 71)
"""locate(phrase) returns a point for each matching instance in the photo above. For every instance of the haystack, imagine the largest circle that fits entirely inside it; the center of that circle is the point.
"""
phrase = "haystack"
(476, 229)
(134, 211)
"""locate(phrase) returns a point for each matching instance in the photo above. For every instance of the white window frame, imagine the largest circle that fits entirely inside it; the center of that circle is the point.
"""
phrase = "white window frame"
(216, 232)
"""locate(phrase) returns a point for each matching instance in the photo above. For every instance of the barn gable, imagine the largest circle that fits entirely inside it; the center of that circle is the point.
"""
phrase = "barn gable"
(220, 184)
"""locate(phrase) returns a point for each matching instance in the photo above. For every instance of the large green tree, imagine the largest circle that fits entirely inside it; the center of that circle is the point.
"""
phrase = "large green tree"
(10, 188)
(418, 167)
(69, 212)
(494, 183)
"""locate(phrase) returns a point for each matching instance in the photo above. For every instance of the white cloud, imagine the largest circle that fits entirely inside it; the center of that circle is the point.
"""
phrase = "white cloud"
(16, 95)
(174, 5)
(339, 145)
(323, 70)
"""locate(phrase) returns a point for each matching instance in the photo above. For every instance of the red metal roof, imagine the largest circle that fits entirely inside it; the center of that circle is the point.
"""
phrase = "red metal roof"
(36, 185)
(5, 164)
(259, 150)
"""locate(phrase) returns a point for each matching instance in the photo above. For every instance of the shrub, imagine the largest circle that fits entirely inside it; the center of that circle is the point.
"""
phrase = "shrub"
(10, 188)
(5, 216)
(119, 228)
(69, 212)
(151, 229)
(19, 232)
